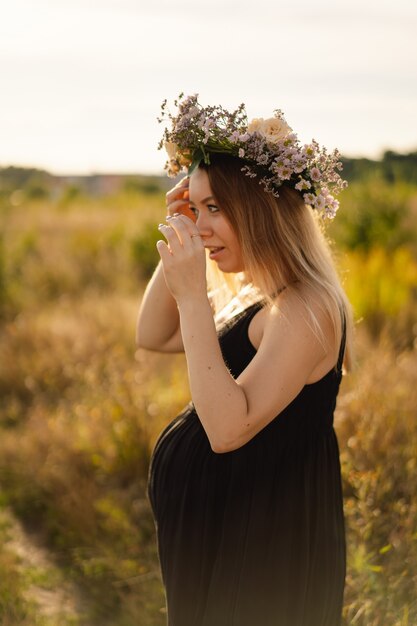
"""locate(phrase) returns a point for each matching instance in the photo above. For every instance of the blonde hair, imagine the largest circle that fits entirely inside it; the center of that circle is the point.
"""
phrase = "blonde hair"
(283, 244)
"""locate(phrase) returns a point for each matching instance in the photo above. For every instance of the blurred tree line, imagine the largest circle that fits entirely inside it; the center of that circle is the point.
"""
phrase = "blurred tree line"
(392, 168)
(20, 183)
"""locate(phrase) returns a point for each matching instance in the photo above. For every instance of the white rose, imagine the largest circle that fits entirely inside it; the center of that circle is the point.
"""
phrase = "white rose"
(274, 129)
(256, 125)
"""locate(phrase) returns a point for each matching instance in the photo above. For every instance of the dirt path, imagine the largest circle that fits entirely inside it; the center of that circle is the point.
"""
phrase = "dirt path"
(58, 601)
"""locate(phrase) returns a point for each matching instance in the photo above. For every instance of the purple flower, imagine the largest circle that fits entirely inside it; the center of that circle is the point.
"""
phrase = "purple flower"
(269, 143)
(234, 137)
(262, 159)
(209, 123)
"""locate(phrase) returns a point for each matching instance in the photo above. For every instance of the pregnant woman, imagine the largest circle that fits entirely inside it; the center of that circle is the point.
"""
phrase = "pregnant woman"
(245, 483)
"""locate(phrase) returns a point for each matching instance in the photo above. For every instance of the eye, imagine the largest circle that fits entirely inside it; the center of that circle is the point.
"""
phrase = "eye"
(194, 210)
(213, 208)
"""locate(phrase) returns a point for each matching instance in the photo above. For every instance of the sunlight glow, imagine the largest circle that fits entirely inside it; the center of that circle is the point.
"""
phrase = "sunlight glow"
(82, 84)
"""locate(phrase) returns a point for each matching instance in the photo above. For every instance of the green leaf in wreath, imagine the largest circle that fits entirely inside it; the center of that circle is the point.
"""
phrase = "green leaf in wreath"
(199, 155)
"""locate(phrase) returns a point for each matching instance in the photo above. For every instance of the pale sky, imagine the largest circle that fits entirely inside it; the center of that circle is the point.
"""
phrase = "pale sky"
(82, 81)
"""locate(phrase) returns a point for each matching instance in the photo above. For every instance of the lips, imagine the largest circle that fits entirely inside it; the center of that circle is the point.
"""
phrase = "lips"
(214, 251)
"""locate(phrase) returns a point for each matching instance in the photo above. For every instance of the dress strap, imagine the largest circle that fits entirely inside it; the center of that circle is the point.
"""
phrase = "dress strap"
(342, 344)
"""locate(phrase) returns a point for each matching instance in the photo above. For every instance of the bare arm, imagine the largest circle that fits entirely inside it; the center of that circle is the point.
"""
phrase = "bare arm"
(158, 324)
(232, 411)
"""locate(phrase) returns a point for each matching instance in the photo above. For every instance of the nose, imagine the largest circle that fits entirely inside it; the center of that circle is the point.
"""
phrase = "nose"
(203, 225)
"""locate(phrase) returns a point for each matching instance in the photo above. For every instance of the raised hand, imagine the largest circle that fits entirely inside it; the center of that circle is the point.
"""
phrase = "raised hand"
(183, 258)
(177, 199)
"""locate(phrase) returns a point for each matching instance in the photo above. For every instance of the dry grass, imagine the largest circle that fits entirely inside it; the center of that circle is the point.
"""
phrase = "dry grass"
(81, 412)
(377, 430)
(81, 409)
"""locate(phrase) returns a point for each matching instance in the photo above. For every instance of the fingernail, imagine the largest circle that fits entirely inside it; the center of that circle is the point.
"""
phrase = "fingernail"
(161, 225)
(176, 215)
(168, 217)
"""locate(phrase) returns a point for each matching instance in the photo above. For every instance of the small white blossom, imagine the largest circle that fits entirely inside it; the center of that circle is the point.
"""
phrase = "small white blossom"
(303, 184)
(309, 198)
(320, 202)
(269, 144)
(262, 159)
(284, 173)
(315, 174)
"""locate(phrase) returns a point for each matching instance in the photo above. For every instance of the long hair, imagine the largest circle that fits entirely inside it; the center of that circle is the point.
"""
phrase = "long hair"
(282, 243)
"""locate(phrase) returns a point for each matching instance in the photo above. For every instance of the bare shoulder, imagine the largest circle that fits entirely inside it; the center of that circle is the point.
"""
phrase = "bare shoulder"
(297, 322)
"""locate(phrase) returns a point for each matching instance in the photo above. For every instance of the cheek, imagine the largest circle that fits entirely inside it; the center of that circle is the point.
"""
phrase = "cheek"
(230, 234)
(235, 240)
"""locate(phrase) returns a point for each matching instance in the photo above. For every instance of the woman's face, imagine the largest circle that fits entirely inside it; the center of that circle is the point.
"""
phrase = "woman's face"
(215, 229)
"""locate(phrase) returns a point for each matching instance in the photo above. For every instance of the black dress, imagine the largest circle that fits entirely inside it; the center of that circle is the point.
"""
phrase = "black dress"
(256, 535)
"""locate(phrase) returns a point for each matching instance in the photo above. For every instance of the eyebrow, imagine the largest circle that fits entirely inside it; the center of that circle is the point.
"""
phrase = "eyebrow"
(204, 200)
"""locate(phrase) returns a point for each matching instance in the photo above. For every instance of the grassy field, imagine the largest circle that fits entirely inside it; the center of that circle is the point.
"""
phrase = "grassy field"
(81, 406)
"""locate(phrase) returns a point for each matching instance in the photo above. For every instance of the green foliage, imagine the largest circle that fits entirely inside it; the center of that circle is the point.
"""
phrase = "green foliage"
(375, 214)
(393, 168)
(21, 580)
(400, 167)
(382, 287)
(144, 250)
(19, 177)
(3, 288)
(14, 610)
(143, 185)
(36, 191)
(70, 194)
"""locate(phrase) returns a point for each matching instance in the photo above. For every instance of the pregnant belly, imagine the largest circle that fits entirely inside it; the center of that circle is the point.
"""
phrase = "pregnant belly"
(177, 457)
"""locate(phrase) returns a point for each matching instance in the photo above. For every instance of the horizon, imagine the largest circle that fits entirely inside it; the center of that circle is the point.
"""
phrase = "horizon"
(162, 173)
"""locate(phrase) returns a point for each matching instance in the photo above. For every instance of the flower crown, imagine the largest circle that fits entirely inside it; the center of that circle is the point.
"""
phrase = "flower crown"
(268, 149)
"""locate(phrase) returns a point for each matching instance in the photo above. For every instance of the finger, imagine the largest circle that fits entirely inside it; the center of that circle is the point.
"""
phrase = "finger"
(191, 226)
(177, 206)
(187, 222)
(197, 240)
(180, 189)
(184, 182)
(184, 209)
(177, 195)
(186, 230)
(176, 225)
(174, 243)
(163, 251)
